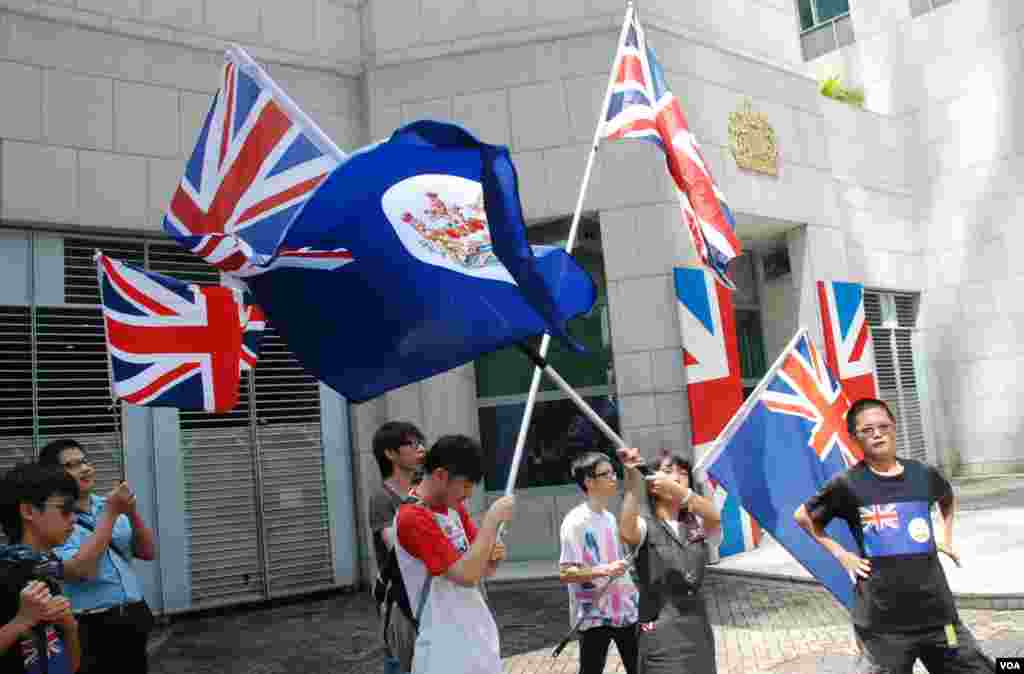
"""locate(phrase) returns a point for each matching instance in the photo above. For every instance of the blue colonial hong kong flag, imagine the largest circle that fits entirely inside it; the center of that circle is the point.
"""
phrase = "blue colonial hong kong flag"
(714, 386)
(171, 344)
(847, 337)
(784, 443)
(641, 106)
(440, 272)
(257, 160)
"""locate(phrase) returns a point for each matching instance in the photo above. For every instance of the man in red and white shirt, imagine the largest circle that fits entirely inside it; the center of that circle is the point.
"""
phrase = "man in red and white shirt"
(438, 542)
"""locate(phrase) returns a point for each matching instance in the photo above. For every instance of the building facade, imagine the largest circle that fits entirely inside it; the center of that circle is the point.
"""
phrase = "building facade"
(912, 195)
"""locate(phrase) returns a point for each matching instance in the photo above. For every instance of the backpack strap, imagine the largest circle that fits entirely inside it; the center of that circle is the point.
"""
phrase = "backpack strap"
(424, 593)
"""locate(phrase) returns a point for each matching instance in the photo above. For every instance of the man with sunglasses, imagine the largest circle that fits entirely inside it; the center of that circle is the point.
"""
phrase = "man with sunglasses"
(591, 550)
(39, 633)
(903, 608)
(105, 592)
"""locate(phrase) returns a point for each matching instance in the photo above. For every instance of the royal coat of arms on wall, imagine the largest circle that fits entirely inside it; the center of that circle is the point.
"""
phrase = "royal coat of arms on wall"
(752, 140)
(456, 231)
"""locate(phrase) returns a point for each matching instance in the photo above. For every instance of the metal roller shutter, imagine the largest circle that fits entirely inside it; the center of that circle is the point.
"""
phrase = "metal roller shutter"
(295, 497)
(892, 317)
(222, 505)
(16, 399)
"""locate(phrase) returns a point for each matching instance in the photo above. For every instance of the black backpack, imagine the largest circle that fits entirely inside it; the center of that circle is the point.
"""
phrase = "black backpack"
(389, 588)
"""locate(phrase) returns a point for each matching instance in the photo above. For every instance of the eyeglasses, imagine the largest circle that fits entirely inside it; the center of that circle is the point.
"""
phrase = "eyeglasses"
(869, 431)
(604, 473)
(413, 443)
(75, 464)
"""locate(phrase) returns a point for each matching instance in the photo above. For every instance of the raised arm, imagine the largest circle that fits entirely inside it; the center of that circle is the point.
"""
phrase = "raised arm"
(629, 517)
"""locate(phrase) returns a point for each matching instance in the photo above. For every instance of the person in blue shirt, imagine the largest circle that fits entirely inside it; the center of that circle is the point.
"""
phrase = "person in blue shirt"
(105, 592)
(38, 632)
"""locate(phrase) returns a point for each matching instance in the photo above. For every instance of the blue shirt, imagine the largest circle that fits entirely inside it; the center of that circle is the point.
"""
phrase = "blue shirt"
(115, 582)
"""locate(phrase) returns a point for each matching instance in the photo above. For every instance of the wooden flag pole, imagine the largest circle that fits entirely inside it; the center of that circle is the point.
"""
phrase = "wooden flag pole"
(531, 398)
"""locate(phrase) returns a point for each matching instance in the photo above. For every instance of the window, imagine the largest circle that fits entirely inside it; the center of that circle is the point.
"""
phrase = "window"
(825, 26)
(892, 317)
(558, 431)
(919, 7)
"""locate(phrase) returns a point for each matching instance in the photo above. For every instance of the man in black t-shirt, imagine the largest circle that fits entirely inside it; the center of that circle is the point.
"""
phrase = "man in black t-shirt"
(903, 609)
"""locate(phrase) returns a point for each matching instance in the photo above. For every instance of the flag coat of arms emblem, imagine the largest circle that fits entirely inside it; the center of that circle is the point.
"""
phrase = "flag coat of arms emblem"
(441, 270)
(780, 448)
(714, 386)
(847, 337)
(641, 106)
(171, 344)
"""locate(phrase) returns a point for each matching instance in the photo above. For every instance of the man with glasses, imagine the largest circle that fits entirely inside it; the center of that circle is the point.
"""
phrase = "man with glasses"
(105, 592)
(591, 549)
(398, 448)
(38, 632)
(903, 609)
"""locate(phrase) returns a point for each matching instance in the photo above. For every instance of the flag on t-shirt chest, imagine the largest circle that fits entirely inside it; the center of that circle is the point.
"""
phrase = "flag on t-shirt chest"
(897, 529)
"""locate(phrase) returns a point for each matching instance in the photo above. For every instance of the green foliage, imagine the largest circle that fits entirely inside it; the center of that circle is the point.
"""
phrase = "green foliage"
(833, 88)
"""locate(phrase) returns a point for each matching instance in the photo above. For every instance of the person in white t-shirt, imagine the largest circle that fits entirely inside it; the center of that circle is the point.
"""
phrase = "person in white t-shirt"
(591, 550)
(443, 557)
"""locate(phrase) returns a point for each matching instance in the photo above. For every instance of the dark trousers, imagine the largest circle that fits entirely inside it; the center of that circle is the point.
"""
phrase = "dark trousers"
(594, 648)
(896, 652)
(112, 644)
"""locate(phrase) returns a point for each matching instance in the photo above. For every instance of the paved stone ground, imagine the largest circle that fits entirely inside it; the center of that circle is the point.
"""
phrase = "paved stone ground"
(759, 625)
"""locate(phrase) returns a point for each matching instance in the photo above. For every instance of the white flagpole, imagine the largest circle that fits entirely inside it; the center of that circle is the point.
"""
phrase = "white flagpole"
(531, 398)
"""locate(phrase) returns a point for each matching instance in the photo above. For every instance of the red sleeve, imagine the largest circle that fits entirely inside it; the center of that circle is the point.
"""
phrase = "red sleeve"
(420, 535)
(468, 525)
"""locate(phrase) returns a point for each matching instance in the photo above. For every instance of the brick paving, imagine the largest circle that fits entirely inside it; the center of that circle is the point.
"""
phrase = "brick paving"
(759, 626)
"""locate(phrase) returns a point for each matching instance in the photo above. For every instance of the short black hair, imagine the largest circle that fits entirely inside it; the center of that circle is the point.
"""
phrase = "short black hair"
(30, 483)
(862, 405)
(584, 465)
(50, 454)
(392, 435)
(460, 455)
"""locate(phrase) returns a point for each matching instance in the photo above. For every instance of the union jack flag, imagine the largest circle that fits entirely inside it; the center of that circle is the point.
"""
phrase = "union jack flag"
(847, 337)
(880, 517)
(172, 344)
(641, 106)
(256, 163)
(30, 653)
(806, 388)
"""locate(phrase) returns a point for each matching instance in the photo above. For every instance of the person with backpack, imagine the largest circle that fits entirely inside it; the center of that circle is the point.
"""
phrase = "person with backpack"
(443, 557)
(398, 448)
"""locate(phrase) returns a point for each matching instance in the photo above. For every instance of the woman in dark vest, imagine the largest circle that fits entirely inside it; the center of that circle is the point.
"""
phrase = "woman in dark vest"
(671, 538)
